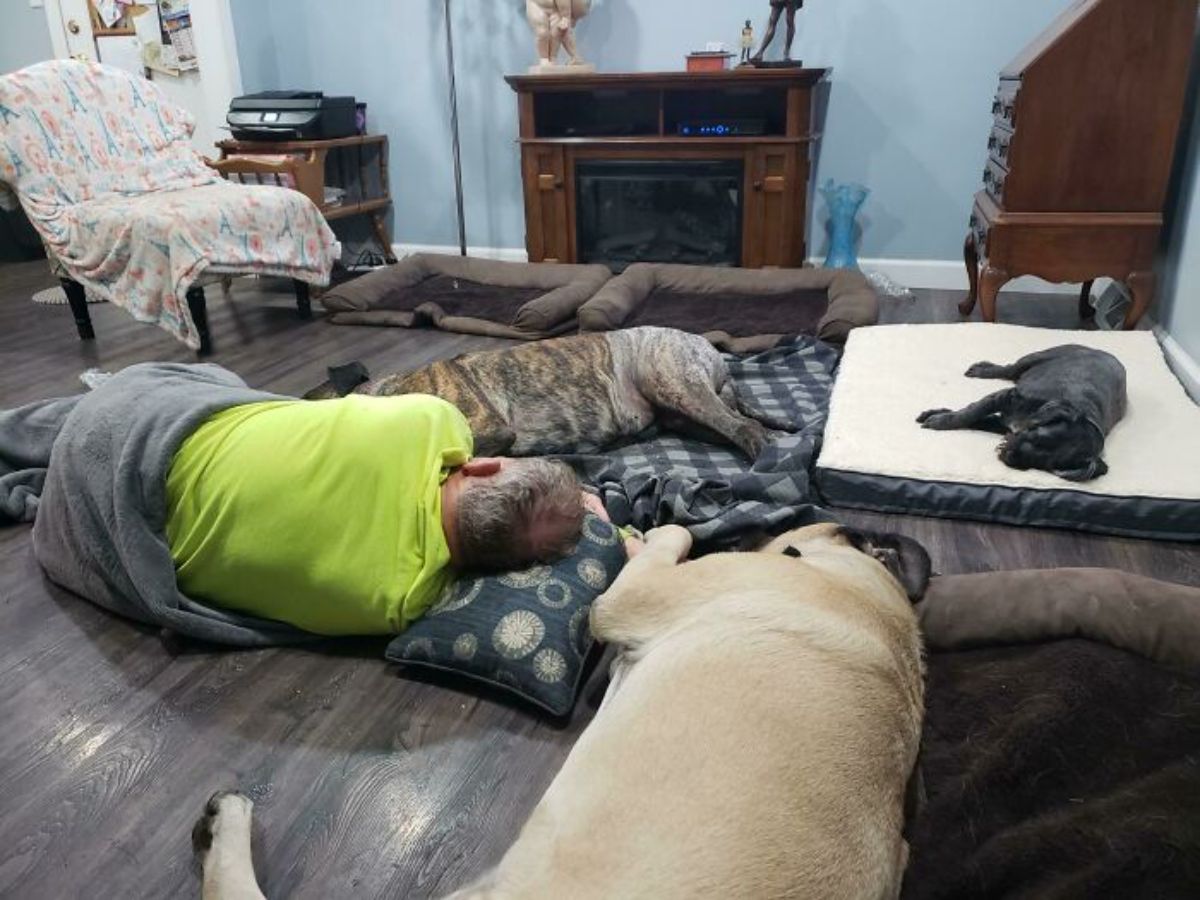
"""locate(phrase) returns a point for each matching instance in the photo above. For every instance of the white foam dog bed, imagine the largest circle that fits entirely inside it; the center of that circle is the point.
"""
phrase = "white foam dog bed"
(875, 455)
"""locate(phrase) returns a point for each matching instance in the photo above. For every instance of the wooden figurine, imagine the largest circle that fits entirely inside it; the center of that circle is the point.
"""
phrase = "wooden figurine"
(553, 23)
(777, 10)
(747, 43)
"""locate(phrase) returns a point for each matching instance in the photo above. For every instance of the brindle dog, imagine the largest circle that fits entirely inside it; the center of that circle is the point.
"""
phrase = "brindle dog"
(584, 393)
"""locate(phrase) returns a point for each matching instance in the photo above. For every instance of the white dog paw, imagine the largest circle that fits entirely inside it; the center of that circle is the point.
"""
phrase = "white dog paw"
(225, 810)
(674, 538)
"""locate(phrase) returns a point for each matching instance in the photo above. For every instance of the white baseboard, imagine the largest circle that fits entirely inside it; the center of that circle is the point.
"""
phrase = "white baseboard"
(931, 274)
(951, 275)
(1185, 367)
(507, 254)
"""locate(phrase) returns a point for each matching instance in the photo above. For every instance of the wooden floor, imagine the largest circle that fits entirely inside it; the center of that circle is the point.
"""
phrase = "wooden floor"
(367, 783)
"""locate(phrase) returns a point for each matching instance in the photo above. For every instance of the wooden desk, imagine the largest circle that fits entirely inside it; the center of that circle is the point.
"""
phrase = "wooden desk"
(1080, 151)
(310, 166)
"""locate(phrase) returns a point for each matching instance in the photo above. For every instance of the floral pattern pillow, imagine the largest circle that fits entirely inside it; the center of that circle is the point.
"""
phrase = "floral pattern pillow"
(524, 632)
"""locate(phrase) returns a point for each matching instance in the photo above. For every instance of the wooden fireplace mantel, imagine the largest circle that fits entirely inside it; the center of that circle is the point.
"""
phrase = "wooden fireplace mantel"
(638, 116)
(642, 80)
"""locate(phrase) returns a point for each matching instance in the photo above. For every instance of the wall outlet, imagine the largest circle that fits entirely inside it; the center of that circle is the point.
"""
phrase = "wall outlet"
(36, 4)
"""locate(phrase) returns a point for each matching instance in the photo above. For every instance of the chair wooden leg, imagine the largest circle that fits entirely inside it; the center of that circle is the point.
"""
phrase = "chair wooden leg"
(383, 238)
(1086, 311)
(990, 281)
(77, 298)
(199, 311)
(971, 258)
(303, 302)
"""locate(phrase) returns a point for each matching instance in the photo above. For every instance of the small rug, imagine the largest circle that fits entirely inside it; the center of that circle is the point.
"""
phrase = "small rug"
(56, 296)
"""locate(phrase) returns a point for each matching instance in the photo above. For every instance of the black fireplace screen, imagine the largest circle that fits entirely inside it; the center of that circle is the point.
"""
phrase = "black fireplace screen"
(680, 211)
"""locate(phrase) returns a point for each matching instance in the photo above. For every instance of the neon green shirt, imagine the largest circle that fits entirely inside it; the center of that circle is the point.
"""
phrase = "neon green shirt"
(324, 514)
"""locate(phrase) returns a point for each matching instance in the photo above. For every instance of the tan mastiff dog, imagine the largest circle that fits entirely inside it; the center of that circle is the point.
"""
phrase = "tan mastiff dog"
(756, 740)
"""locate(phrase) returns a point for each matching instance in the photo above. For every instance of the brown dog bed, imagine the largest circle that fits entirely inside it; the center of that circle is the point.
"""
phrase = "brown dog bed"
(525, 301)
(739, 310)
(1059, 751)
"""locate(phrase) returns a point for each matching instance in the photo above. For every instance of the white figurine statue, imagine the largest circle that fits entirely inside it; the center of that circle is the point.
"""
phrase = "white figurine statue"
(553, 24)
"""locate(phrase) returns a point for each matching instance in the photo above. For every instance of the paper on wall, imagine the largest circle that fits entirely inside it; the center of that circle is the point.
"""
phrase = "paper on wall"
(109, 11)
(122, 51)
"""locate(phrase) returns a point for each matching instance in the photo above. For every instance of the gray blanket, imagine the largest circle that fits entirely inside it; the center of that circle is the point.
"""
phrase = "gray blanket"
(714, 491)
(90, 472)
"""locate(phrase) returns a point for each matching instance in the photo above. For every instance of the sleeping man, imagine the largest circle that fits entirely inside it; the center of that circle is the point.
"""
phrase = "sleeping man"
(350, 516)
(178, 496)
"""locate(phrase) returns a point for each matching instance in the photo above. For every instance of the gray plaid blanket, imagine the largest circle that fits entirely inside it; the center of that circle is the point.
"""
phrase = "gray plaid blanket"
(712, 490)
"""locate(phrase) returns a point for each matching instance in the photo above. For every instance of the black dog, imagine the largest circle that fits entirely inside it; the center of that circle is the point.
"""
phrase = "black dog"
(1065, 402)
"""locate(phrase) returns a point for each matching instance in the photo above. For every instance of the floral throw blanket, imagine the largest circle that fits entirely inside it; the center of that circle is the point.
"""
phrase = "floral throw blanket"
(102, 164)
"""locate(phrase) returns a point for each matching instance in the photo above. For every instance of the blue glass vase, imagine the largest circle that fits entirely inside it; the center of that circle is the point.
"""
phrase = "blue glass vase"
(844, 201)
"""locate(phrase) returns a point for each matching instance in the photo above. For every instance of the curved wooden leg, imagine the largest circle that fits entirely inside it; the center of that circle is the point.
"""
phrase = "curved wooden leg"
(1141, 285)
(971, 258)
(990, 282)
(1086, 311)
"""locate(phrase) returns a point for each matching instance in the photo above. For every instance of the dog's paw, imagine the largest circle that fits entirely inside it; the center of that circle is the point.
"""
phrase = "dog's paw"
(937, 419)
(221, 808)
(751, 438)
(675, 538)
(985, 370)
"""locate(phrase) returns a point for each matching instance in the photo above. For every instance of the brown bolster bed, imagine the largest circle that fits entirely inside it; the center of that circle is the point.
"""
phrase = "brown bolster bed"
(739, 310)
(1059, 751)
(472, 296)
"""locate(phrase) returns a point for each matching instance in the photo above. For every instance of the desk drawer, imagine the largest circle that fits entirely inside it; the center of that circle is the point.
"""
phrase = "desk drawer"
(994, 177)
(1000, 145)
(1004, 106)
(979, 226)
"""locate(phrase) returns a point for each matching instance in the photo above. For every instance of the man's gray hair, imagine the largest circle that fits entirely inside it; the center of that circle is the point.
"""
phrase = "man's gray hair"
(530, 511)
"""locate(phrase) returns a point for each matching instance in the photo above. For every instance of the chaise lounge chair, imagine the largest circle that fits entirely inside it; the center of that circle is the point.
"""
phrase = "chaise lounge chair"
(101, 163)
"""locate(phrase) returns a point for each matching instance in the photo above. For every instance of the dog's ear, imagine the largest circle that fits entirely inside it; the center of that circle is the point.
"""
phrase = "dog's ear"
(1054, 411)
(1094, 469)
(905, 558)
(345, 379)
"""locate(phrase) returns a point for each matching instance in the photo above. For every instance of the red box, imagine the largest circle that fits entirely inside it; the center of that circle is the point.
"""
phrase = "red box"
(708, 62)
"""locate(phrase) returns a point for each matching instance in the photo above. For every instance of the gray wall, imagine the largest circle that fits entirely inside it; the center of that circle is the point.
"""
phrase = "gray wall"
(24, 38)
(909, 109)
(1179, 304)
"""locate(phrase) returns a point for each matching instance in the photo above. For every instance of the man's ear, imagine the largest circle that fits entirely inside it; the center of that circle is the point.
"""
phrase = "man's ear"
(481, 468)
(905, 558)
(1094, 469)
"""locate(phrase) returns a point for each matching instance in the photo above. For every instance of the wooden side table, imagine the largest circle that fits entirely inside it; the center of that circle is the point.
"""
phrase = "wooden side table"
(311, 166)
